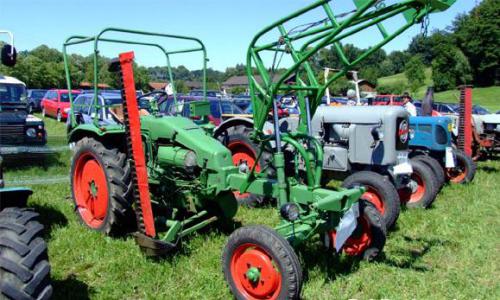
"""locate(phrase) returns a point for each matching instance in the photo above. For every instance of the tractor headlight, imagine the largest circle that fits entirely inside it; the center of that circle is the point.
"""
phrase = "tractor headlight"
(290, 212)
(31, 132)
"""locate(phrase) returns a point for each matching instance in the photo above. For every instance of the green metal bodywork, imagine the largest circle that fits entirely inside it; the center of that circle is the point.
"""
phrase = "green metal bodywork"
(188, 195)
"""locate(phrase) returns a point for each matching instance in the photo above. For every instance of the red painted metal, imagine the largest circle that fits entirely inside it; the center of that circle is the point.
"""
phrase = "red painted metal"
(465, 123)
(126, 60)
(358, 242)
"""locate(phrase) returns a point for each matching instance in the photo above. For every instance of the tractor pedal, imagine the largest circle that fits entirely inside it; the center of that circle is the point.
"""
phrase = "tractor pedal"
(152, 247)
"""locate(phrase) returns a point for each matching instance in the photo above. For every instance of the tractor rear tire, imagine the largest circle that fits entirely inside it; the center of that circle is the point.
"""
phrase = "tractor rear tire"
(24, 265)
(464, 171)
(380, 192)
(435, 167)
(268, 254)
(101, 188)
(237, 140)
(426, 186)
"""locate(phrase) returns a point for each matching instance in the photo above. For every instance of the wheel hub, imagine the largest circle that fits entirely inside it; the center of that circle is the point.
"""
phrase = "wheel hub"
(254, 273)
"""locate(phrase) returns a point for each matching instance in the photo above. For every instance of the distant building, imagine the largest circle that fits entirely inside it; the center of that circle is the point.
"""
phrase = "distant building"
(242, 81)
(88, 85)
(157, 85)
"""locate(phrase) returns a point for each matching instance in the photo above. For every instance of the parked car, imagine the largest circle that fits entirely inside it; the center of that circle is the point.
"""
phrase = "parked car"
(34, 99)
(19, 131)
(210, 93)
(388, 100)
(84, 111)
(56, 103)
(219, 109)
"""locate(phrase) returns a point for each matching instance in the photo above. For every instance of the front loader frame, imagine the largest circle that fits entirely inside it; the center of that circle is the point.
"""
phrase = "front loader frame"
(300, 78)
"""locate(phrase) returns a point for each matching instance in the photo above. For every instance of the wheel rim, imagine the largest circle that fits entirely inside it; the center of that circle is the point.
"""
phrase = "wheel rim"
(242, 152)
(359, 240)
(373, 196)
(419, 192)
(459, 173)
(90, 189)
(254, 273)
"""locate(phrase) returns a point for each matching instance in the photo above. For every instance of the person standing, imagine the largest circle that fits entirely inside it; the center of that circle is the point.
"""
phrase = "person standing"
(408, 105)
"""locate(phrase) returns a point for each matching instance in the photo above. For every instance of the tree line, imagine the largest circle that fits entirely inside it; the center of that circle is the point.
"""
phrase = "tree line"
(465, 53)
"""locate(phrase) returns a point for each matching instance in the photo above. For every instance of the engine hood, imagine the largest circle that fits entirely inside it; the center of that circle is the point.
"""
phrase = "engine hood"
(358, 114)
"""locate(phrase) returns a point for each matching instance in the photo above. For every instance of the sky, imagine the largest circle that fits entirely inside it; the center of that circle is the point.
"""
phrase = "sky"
(225, 26)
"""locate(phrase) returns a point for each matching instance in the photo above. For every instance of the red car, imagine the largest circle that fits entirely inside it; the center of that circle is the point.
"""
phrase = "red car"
(388, 100)
(56, 104)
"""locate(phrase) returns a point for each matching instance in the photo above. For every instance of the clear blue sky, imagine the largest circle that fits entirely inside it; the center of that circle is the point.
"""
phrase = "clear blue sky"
(225, 26)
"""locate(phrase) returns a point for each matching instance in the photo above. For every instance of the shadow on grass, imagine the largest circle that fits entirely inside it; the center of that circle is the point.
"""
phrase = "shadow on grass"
(488, 169)
(330, 263)
(26, 161)
(50, 217)
(409, 256)
(70, 288)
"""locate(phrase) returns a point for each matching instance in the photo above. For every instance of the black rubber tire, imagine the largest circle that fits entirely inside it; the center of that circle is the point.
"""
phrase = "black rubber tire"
(241, 134)
(378, 229)
(429, 180)
(468, 164)
(276, 247)
(120, 216)
(24, 264)
(436, 167)
(384, 189)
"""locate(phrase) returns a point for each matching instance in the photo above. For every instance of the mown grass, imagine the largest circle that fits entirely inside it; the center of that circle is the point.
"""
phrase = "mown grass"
(488, 97)
(449, 251)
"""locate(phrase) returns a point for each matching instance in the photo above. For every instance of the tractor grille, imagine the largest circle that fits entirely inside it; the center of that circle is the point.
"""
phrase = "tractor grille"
(11, 134)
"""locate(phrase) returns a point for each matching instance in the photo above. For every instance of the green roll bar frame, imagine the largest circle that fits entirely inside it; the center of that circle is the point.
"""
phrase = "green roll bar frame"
(79, 39)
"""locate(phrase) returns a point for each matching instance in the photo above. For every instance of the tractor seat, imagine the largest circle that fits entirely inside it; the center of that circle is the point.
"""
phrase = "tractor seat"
(117, 113)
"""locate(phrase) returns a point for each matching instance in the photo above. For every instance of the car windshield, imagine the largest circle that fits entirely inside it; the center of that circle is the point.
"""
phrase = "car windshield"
(12, 93)
(478, 110)
(65, 96)
(230, 108)
(38, 94)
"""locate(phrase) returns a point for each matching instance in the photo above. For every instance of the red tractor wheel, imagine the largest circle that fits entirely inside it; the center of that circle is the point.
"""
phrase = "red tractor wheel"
(260, 264)
(100, 184)
(423, 187)
(244, 153)
(90, 189)
(368, 239)
(380, 192)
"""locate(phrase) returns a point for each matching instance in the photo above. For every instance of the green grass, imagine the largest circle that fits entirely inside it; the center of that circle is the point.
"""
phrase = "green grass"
(488, 97)
(449, 251)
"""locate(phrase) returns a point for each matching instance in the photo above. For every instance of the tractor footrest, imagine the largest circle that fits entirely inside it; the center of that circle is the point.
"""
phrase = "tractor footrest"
(151, 246)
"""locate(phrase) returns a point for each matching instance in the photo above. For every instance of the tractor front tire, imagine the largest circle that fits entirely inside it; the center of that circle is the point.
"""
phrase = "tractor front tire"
(435, 167)
(101, 187)
(380, 192)
(464, 171)
(24, 265)
(258, 263)
(424, 190)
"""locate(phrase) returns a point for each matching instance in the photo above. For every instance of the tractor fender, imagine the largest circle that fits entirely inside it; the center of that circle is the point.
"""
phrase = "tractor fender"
(233, 122)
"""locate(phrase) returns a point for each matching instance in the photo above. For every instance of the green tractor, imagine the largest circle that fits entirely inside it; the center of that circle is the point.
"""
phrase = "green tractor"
(163, 176)
(24, 265)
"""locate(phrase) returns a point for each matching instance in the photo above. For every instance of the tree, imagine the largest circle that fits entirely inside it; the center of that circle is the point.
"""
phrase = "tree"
(477, 35)
(415, 73)
(450, 68)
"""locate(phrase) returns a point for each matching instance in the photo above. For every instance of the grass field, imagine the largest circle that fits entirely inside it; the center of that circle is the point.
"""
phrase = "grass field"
(488, 97)
(449, 251)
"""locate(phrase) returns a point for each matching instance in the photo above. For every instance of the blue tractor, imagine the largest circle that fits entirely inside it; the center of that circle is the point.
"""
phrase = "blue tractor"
(431, 143)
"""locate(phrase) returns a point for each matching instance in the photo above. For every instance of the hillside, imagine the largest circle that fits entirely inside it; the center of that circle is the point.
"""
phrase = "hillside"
(488, 97)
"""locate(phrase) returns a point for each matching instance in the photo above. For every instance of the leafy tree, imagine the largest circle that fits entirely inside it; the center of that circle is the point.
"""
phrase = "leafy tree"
(450, 68)
(396, 88)
(477, 35)
(415, 73)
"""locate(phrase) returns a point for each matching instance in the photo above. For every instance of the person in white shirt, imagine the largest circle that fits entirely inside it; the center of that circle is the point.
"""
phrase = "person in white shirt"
(408, 105)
